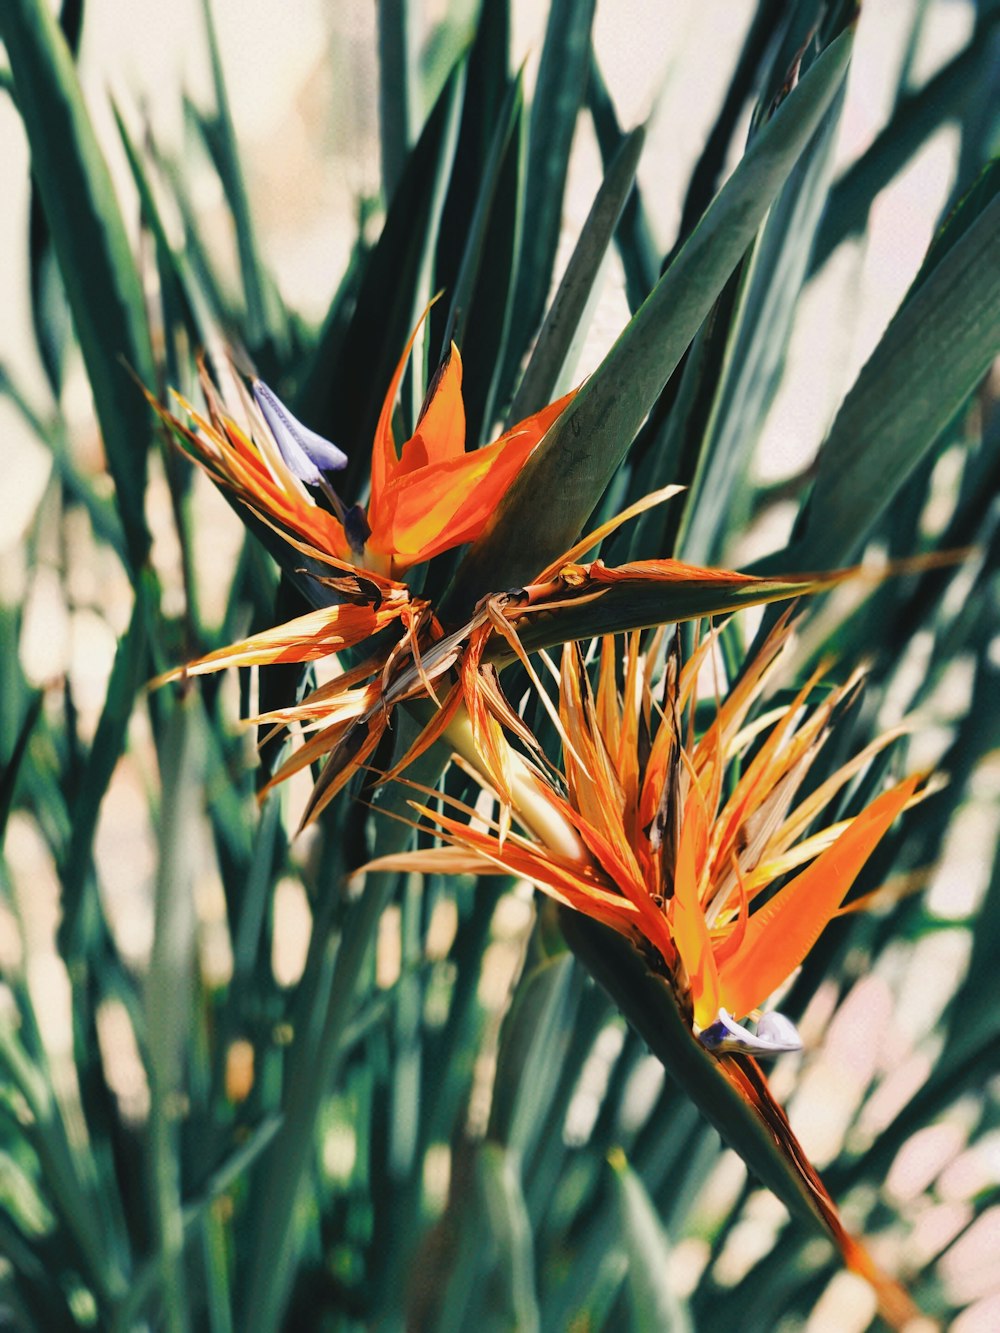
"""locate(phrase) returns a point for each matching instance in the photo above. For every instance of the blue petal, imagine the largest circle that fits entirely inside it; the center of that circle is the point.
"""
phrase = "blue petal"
(308, 455)
(775, 1034)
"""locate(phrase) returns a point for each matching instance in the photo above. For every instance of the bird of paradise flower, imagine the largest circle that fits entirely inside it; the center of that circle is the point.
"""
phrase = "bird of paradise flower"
(661, 839)
(641, 832)
(429, 497)
(701, 849)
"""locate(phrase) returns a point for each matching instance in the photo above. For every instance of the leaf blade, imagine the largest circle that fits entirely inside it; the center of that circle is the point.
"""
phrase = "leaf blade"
(584, 447)
(95, 259)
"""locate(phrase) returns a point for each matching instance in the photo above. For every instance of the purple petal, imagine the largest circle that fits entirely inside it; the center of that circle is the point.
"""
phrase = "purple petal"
(775, 1034)
(308, 455)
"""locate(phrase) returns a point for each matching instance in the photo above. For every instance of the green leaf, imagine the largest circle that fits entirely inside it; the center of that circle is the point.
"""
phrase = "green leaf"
(565, 316)
(651, 1008)
(335, 970)
(559, 486)
(170, 989)
(935, 351)
(127, 675)
(916, 117)
(49, 309)
(396, 91)
(490, 1276)
(559, 93)
(220, 137)
(487, 86)
(755, 354)
(11, 767)
(642, 604)
(99, 273)
(509, 1230)
(764, 31)
(343, 393)
(654, 1301)
(488, 322)
(533, 1046)
(475, 238)
(633, 235)
(253, 1141)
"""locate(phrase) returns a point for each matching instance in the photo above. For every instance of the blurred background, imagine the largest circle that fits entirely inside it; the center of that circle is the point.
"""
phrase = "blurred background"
(302, 77)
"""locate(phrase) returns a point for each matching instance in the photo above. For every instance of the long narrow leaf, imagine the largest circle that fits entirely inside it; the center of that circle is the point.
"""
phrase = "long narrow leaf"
(102, 283)
(933, 354)
(558, 488)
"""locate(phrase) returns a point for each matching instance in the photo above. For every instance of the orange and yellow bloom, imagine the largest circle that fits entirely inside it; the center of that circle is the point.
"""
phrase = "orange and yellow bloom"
(678, 840)
(425, 498)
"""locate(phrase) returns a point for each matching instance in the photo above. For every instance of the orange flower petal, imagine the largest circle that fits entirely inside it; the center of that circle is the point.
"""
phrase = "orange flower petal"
(429, 509)
(385, 464)
(783, 931)
(440, 433)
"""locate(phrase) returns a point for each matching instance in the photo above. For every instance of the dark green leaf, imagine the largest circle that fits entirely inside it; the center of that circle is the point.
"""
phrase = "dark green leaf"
(101, 280)
(559, 93)
(12, 764)
(533, 1045)
(396, 90)
(633, 235)
(654, 1301)
(933, 354)
(343, 395)
(220, 136)
(127, 675)
(916, 117)
(557, 489)
(565, 316)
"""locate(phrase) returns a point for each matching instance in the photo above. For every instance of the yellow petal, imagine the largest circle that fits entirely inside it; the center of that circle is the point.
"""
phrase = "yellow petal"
(687, 920)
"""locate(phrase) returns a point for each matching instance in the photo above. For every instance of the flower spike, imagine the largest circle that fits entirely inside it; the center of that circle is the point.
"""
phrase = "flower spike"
(699, 866)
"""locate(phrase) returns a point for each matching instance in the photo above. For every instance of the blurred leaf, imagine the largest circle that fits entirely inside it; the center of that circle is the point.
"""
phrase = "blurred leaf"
(555, 107)
(533, 1046)
(938, 346)
(633, 235)
(510, 1233)
(396, 90)
(220, 136)
(49, 310)
(755, 354)
(102, 284)
(559, 486)
(654, 1302)
(343, 393)
(64, 1166)
(916, 117)
(169, 990)
(565, 321)
(317, 1059)
(11, 766)
(193, 1211)
(127, 675)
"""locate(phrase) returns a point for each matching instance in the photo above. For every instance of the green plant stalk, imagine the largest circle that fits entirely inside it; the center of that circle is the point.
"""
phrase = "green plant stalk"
(314, 1070)
(169, 993)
